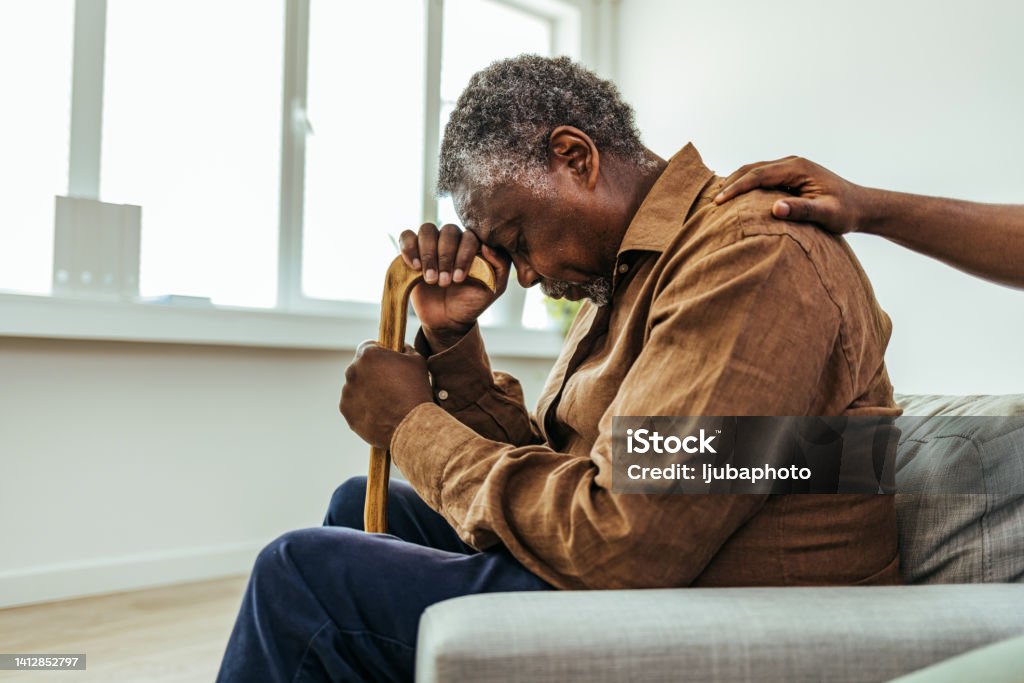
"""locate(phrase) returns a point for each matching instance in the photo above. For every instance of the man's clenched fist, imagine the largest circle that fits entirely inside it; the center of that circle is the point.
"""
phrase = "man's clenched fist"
(381, 388)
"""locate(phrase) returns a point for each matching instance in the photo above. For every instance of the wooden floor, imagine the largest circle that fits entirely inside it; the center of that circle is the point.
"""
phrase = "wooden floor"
(163, 635)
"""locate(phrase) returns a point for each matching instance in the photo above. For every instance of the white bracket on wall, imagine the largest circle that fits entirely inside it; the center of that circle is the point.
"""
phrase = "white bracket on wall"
(96, 249)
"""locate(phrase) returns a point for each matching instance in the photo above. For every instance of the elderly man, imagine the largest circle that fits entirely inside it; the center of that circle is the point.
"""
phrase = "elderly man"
(692, 308)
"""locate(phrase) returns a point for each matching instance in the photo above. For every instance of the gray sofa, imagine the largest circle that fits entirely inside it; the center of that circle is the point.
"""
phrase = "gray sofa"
(962, 556)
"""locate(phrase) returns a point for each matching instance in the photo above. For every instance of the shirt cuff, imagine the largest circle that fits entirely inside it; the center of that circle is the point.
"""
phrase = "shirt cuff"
(422, 445)
(461, 373)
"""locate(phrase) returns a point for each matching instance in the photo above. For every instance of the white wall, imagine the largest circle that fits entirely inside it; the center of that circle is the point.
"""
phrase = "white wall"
(125, 465)
(918, 96)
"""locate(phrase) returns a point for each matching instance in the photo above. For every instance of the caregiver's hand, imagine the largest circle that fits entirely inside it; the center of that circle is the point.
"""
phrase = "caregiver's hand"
(819, 195)
(986, 240)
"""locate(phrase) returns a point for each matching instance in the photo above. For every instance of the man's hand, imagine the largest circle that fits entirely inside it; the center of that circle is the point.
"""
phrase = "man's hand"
(446, 304)
(819, 195)
(381, 388)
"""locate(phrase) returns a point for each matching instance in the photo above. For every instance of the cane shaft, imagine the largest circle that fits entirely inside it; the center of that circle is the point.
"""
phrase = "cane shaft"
(393, 313)
(394, 306)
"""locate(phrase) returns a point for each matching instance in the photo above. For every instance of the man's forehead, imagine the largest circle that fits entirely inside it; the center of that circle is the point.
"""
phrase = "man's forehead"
(460, 198)
(475, 208)
(466, 210)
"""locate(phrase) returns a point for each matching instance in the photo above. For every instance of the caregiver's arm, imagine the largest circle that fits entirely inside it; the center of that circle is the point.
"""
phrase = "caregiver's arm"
(986, 240)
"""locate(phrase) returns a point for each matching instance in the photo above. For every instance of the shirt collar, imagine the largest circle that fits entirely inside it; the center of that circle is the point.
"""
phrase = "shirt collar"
(668, 203)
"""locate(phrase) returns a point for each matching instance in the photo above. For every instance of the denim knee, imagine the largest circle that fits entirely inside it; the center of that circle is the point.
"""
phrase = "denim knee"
(287, 580)
(276, 557)
(294, 552)
(273, 571)
(347, 504)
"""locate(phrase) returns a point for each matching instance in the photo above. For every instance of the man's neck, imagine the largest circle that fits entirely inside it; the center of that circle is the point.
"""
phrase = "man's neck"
(647, 181)
(636, 183)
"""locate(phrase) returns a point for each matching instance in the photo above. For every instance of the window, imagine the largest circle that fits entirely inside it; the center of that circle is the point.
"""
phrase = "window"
(34, 131)
(364, 152)
(481, 32)
(191, 130)
(274, 147)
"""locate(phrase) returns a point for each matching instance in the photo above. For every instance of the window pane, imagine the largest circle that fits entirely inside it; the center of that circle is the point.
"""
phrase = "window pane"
(192, 133)
(476, 33)
(36, 40)
(364, 160)
(535, 313)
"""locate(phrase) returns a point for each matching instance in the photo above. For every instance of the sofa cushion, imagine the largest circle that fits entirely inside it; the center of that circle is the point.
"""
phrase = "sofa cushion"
(836, 634)
(957, 537)
(927, 405)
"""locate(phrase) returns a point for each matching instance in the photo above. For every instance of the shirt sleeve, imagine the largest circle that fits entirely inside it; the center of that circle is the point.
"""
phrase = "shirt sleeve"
(746, 330)
(489, 403)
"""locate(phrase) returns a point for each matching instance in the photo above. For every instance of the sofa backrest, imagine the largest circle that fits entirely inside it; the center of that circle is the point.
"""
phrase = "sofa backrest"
(960, 538)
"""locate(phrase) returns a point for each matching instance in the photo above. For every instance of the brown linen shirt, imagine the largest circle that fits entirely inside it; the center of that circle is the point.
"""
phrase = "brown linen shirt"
(717, 310)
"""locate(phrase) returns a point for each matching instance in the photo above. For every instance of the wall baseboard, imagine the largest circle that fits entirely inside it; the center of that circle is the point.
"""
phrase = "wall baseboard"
(46, 583)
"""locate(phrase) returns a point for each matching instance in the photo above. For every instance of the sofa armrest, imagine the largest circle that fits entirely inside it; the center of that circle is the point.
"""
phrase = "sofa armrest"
(998, 663)
(870, 633)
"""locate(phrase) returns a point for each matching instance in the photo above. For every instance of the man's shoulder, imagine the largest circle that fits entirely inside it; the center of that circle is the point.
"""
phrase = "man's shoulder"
(739, 246)
(711, 227)
(743, 235)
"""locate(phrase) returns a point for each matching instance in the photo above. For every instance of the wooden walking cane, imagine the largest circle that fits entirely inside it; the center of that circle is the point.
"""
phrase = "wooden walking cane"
(393, 312)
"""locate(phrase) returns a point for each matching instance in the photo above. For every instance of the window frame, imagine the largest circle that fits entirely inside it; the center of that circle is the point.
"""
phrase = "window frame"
(295, 128)
(587, 23)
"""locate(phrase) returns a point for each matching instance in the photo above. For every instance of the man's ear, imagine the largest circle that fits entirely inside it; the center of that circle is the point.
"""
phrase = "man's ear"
(571, 150)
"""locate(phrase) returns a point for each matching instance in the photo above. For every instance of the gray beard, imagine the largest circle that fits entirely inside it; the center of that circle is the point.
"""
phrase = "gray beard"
(598, 290)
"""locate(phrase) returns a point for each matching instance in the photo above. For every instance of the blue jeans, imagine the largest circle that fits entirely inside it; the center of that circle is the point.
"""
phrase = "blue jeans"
(334, 603)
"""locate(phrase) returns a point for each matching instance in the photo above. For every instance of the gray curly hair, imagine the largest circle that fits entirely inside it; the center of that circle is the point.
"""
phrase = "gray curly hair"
(500, 127)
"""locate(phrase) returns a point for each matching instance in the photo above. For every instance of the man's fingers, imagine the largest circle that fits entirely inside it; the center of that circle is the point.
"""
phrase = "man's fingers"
(364, 345)
(502, 266)
(428, 252)
(408, 243)
(468, 248)
(447, 247)
(350, 371)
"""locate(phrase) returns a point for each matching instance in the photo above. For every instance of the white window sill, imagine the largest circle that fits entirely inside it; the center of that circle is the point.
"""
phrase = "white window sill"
(36, 316)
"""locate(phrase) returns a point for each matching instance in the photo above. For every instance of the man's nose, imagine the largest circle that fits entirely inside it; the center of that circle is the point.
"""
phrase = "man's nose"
(526, 275)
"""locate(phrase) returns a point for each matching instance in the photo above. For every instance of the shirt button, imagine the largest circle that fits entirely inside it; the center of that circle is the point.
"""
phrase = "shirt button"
(442, 394)
(623, 267)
